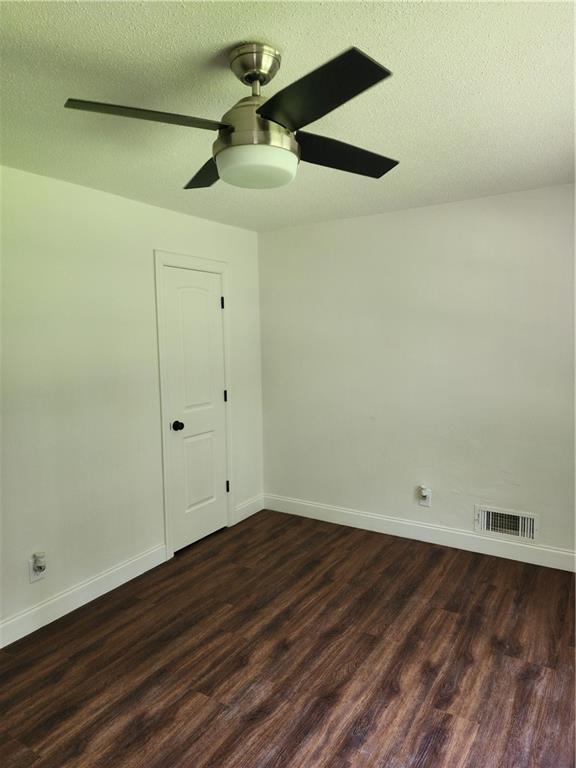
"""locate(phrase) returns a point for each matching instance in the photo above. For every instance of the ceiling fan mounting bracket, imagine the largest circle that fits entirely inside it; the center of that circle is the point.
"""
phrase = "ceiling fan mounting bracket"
(254, 63)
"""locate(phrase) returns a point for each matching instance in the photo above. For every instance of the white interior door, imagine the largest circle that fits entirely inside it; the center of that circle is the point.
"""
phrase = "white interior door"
(193, 404)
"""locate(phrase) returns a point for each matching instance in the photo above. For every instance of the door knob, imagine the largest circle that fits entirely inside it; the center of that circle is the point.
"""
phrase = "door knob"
(177, 426)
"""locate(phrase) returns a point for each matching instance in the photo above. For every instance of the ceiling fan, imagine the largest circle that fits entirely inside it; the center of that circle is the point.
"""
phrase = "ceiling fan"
(259, 142)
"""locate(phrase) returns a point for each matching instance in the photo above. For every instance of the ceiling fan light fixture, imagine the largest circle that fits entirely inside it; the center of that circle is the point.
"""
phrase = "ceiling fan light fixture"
(257, 166)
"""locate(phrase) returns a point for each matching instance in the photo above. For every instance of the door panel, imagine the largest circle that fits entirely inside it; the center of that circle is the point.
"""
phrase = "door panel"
(198, 341)
(199, 469)
(193, 393)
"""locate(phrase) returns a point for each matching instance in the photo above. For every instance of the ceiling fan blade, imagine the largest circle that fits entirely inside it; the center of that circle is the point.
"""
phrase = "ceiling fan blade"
(322, 90)
(321, 150)
(144, 114)
(206, 176)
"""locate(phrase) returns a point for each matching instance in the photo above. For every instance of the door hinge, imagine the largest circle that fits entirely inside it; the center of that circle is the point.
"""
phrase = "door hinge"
(225, 395)
(222, 302)
(227, 486)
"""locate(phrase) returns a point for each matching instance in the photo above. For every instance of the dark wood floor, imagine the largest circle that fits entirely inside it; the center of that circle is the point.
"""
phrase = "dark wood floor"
(291, 642)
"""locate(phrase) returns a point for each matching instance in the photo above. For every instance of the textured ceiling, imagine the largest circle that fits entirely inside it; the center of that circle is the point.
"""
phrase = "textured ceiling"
(481, 100)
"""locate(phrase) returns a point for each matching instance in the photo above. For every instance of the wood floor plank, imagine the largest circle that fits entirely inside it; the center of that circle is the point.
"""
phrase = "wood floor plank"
(286, 642)
(13, 754)
(165, 718)
(44, 720)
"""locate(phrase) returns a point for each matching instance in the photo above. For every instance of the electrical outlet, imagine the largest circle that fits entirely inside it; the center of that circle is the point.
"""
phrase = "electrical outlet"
(424, 496)
(37, 566)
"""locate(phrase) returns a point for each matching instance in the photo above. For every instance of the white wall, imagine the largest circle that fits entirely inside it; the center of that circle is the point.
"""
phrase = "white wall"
(82, 472)
(430, 346)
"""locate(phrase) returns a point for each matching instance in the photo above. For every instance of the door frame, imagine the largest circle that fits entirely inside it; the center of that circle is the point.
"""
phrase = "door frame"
(199, 264)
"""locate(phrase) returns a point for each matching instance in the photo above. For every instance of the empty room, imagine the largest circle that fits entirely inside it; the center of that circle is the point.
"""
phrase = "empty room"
(287, 384)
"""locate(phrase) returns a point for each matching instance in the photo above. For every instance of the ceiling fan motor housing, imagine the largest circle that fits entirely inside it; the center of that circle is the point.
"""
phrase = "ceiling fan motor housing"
(248, 128)
(252, 151)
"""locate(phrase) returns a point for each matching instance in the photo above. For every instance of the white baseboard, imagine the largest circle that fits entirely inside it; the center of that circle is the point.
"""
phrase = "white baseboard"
(552, 557)
(21, 624)
(249, 507)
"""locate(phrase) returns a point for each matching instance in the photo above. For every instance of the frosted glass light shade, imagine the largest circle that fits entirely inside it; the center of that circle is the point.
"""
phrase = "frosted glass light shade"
(257, 166)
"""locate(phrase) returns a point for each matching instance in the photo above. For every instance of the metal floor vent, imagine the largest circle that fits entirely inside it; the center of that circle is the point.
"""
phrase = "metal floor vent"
(506, 523)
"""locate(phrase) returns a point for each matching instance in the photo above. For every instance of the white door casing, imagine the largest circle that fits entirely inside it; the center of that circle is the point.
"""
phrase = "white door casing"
(192, 350)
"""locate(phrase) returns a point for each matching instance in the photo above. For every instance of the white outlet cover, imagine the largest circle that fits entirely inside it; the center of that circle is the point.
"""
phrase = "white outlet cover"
(32, 574)
(427, 500)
